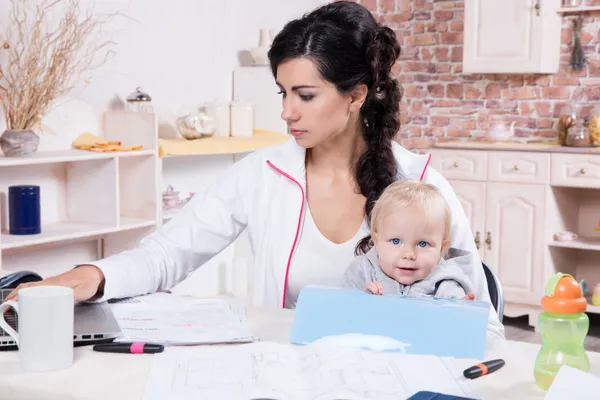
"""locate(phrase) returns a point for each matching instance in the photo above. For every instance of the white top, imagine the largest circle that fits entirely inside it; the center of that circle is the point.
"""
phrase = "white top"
(318, 260)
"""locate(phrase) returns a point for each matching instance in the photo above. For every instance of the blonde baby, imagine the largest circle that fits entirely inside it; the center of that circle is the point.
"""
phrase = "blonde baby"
(410, 253)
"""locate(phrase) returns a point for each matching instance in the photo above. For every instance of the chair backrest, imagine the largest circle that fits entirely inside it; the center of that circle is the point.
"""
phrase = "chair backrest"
(495, 289)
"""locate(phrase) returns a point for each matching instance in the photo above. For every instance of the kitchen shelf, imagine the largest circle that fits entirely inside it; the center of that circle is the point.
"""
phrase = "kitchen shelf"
(95, 205)
(577, 10)
(68, 231)
(220, 144)
(580, 243)
(61, 156)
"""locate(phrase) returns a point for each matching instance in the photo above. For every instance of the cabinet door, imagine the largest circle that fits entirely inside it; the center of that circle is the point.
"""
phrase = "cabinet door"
(511, 36)
(472, 198)
(514, 239)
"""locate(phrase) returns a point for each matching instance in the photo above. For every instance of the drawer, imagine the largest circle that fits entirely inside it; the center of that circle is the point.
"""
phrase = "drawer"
(576, 170)
(514, 166)
(460, 164)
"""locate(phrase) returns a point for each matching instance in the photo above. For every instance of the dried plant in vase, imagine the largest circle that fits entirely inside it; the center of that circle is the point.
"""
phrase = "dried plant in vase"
(43, 58)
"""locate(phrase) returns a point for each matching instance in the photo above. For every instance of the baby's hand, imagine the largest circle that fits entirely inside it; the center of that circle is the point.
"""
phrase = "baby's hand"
(374, 288)
(469, 296)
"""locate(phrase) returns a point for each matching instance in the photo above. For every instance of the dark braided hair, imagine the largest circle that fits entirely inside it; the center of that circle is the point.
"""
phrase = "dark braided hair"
(349, 48)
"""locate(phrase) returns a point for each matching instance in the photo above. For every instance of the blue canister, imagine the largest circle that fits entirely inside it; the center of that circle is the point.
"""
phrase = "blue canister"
(24, 211)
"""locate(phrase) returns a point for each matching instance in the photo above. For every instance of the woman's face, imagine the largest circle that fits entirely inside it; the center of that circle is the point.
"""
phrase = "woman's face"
(314, 110)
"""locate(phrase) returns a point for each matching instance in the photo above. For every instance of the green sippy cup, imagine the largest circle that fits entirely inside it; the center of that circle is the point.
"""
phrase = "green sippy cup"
(564, 325)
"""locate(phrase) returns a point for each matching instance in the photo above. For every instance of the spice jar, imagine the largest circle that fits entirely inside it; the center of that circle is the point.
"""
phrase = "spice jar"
(594, 127)
(568, 118)
(139, 101)
(578, 135)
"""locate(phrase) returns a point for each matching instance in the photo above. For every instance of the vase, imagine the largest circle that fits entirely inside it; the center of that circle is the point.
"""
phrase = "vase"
(19, 142)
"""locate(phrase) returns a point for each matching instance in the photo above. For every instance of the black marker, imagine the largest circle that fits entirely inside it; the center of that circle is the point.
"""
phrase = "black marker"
(483, 368)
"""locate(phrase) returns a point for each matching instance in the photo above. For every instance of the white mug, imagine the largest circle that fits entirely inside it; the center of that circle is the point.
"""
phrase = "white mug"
(45, 327)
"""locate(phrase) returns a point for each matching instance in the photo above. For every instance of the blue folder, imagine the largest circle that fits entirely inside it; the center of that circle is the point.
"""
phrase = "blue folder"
(432, 326)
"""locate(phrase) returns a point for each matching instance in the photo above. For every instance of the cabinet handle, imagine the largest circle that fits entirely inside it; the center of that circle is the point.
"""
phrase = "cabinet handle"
(537, 8)
(455, 164)
(582, 171)
(515, 167)
(488, 240)
(477, 239)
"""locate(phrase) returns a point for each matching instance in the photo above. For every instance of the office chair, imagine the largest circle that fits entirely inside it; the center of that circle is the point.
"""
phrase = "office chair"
(495, 289)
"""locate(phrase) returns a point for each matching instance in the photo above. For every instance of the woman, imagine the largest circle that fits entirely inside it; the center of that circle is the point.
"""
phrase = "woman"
(306, 203)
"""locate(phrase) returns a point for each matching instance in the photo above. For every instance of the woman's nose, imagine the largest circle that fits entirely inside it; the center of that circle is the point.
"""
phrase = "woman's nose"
(288, 111)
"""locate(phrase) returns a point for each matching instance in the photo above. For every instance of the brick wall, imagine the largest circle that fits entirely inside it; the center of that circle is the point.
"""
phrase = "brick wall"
(441, 102)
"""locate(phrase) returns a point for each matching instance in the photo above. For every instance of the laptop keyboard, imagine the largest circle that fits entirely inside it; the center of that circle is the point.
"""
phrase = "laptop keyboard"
(10, 316)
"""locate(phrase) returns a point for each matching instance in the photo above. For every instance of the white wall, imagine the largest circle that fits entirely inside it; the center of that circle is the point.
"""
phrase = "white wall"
(182, 52)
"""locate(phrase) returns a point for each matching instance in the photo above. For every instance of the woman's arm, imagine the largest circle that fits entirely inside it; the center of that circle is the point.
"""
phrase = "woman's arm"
(462, 238)
(211, 221)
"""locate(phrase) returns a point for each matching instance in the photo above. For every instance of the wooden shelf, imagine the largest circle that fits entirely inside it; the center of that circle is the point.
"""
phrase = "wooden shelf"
(577, 10)
(220, 144)
(66, 231)
(60, 156)
(580, 243)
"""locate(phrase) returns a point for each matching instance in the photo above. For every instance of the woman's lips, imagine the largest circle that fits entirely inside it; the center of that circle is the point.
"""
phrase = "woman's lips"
(296, 132)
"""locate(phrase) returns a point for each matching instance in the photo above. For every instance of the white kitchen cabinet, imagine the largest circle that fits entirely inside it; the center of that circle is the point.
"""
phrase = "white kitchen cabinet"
(472, 198)
(512, 36)
(514, 238)
(516, 201)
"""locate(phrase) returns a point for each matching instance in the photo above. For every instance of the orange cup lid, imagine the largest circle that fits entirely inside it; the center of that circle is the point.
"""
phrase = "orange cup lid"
(563, 295)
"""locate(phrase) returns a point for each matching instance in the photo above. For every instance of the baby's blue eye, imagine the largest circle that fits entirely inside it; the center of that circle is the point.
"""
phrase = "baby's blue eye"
(422, 243)
(395, 241)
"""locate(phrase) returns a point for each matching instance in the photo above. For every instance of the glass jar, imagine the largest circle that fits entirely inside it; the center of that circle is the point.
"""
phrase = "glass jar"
(139, 101)
(578, 135)
(594, 126)
(568, 118)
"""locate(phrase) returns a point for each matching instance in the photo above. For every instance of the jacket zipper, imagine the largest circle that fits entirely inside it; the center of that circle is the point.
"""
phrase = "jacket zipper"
(425, 169)
(287, 268)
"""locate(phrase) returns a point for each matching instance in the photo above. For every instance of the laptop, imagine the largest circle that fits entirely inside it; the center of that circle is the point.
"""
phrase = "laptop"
(93, 323)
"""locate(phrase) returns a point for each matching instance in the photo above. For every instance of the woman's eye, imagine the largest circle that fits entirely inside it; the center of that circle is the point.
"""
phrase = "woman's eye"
(281, 92)
(422, 243)
(395, 241)
(306, 97)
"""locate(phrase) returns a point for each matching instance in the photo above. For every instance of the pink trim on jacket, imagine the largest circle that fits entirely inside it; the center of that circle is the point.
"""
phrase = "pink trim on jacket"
(425, 169)
(287, 268)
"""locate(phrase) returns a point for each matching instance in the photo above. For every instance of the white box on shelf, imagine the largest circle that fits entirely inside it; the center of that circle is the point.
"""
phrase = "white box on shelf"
(257, 86)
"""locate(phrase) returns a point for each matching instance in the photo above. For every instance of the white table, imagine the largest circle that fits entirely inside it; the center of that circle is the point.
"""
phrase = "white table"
(123, 376)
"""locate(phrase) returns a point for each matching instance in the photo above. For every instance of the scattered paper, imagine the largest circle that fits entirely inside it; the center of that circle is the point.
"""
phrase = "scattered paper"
(571, 383)
(172, 319)
(312, 372)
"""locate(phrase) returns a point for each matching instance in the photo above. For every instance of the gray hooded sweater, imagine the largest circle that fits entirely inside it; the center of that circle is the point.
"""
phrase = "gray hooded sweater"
(448, 280)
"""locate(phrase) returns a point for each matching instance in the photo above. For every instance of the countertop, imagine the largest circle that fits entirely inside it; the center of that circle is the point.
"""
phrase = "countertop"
(526, 144)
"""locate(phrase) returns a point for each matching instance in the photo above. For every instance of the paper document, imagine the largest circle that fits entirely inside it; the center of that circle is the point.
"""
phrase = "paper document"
(312, 372)
(571, 383)
(171, 319)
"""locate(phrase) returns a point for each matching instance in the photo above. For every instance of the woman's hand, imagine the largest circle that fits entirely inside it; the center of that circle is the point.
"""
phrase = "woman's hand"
(86, 281)
(374, 288)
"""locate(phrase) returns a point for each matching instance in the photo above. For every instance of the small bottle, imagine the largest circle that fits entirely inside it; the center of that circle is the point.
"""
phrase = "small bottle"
(596, 295)
(564, 325)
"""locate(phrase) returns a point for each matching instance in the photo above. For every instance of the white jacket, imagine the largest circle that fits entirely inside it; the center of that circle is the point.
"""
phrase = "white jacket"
(264, 193)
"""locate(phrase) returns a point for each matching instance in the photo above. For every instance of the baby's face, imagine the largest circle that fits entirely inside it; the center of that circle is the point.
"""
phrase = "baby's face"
(409, 246)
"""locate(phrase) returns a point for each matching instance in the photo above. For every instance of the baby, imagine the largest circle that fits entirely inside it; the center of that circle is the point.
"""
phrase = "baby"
(411, 254)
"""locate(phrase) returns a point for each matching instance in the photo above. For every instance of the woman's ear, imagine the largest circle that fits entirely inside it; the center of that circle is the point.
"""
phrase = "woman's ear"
(358, 96)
